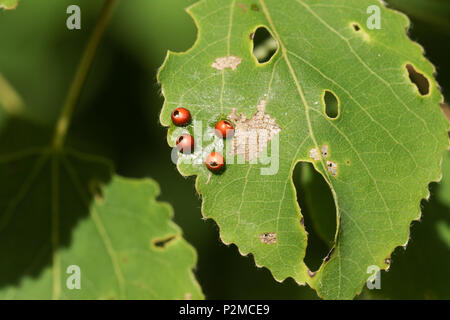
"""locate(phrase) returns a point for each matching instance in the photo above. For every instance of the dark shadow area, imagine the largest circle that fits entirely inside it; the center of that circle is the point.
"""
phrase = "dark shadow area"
(39, 202)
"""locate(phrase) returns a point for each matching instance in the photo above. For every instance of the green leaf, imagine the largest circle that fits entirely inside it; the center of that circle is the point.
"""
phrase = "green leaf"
(8, 4)
(60, 208)
(10, 101)
(387, 140)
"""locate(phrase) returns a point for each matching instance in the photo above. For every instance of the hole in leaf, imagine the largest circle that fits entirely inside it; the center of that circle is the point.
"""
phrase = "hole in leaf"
(331, 103)
(264, 45)
(162, 243)
(421, 82)
(319, 213)
(356, 27)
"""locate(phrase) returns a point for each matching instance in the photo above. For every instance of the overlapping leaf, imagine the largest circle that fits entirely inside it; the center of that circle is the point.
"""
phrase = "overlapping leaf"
(387, 141)
(444, 189)
(61, 208)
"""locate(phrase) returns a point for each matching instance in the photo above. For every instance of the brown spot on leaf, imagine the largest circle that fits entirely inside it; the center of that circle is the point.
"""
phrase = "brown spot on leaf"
(242, 6)
(311, 273)
(254, 7)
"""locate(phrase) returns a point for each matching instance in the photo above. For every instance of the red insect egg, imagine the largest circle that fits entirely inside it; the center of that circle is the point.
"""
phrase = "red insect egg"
(185, 143)
(181, 116)
(215, 162)
(224, 129)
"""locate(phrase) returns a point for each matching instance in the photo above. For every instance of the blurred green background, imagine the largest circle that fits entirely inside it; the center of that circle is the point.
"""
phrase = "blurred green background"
(117, 116)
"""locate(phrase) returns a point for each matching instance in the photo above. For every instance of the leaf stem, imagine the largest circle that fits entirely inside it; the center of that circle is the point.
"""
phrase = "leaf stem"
(63, 122)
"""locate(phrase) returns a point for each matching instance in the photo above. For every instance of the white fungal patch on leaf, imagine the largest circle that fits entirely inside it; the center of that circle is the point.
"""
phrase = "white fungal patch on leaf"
(226, 62)
(314, 154)
(251, 136)
(332, 167)
(324, 151)
(268, 237)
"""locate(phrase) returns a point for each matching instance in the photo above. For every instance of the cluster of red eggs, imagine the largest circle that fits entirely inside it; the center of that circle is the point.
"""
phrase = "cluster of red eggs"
(185, 143)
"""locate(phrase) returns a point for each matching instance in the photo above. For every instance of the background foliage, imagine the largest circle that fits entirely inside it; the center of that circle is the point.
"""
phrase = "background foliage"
(118, 115)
